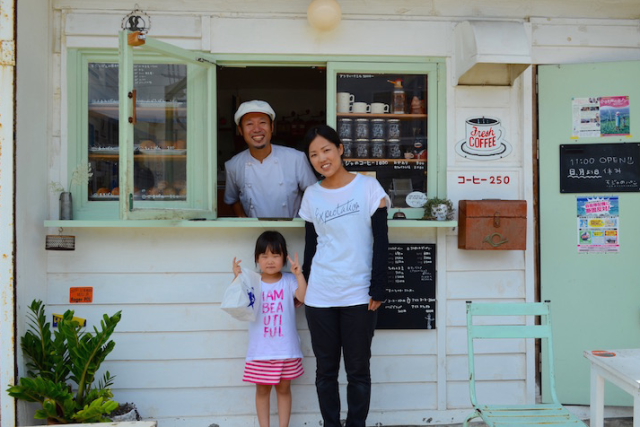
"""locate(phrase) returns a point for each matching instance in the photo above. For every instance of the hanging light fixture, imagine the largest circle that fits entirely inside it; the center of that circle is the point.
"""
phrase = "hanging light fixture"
(324, 15)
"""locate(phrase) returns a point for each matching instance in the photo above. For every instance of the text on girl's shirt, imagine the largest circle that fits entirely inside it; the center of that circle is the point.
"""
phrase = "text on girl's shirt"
(272, 308)
(349, 207)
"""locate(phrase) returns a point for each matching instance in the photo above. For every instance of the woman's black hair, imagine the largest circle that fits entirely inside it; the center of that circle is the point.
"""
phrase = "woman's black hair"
(327, 132)
(271, 241)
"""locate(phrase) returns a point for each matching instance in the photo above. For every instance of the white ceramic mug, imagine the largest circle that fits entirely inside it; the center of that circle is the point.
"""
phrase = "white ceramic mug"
(361, 107)
(379, 108)
(345, 101)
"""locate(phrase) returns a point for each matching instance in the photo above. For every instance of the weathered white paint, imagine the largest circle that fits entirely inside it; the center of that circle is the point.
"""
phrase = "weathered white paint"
(178, 357)
(7, 209)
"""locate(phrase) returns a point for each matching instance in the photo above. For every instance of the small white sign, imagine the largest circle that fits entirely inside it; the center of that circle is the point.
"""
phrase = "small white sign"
(416, 199)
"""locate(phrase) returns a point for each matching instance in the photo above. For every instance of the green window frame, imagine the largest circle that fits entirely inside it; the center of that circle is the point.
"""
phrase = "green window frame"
(202, 99)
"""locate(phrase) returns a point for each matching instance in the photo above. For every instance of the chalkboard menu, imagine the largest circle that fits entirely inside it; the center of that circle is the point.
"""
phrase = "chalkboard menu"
(600, 168)
(411, 293)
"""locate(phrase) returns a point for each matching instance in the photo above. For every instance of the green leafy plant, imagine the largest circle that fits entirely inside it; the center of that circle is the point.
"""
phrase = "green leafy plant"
(435, 201)
(62, 367)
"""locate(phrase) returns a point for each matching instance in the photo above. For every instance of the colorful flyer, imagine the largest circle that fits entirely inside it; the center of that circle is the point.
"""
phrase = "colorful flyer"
(614, 115)
(598, 225)
(604, 116)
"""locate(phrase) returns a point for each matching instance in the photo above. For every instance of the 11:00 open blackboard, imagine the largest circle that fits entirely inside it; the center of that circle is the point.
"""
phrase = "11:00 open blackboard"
(411, 293)
(600, 168)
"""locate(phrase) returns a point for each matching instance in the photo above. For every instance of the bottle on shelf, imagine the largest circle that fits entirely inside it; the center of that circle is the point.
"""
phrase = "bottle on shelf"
(399, 97)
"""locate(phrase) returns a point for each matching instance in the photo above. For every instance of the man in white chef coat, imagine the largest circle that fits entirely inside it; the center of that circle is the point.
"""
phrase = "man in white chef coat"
(265, 180)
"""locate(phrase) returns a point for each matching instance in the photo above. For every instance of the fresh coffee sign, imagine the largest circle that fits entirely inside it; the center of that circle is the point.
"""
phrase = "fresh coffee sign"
(484, 140)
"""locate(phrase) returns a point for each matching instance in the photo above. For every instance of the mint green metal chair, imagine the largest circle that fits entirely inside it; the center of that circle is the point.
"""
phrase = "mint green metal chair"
(546, 414)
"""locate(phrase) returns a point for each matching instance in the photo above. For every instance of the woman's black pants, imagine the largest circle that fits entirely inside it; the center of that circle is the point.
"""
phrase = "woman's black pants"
(348, 330)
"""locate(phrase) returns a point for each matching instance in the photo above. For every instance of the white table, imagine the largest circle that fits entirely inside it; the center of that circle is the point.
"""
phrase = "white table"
(623, 370)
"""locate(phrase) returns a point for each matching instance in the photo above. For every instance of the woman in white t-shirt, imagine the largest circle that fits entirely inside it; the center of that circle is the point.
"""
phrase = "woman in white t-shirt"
(345, 262)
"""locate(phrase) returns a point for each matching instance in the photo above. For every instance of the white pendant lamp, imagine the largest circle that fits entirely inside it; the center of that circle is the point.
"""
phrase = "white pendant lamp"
(324, 15)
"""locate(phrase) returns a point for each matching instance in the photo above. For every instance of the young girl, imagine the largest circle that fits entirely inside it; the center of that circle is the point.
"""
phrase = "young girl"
(274, 356)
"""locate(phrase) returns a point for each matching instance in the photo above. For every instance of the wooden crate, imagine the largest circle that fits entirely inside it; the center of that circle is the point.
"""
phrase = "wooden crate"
(492, 224)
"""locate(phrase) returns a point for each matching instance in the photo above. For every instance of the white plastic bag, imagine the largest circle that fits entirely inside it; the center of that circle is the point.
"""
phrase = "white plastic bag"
(241, 299)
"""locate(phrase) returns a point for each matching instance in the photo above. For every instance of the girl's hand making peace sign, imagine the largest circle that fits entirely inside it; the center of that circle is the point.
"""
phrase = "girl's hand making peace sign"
(296, 268)
(236, 267)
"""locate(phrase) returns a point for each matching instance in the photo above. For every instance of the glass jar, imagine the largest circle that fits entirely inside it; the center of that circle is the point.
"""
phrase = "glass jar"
(345, 128)
(362, 129)
(347, 143)
(394, 150)
(377, 128)
(393, 128)
(363, 148)
(378, 149)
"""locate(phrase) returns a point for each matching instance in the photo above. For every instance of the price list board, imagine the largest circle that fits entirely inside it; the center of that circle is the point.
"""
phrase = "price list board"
(411, 292)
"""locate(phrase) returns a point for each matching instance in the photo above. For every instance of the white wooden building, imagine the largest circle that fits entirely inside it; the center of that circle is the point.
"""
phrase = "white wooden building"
(178, 357)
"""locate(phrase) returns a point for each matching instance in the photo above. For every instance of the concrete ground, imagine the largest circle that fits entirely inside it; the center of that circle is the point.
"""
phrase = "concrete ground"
(608, 422)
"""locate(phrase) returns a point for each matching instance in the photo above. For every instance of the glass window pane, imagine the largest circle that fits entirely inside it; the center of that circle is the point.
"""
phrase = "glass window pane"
(382, 121)
(160, 134)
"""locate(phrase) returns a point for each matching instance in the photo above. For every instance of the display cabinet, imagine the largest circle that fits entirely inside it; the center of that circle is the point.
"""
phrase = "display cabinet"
(386, 117)
(160, 132)
(145, 125)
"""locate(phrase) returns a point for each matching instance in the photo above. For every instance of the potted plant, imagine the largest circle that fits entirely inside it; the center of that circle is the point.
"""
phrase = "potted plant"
(61, 368)
(438, 209)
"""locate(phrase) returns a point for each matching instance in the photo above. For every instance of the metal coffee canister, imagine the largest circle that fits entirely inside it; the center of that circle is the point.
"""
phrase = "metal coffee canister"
(345, 128)
(393, 128)
(378, 148)
(348, 148)
(378, 128)
(363, 148)
(362, 128)
(394, 150)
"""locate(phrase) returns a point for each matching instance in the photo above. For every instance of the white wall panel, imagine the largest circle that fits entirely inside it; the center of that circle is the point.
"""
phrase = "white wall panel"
(295, 36)
(472, 260)
(404, 341)
(403, 369)
(166, 26)
(196, 345)
(486, 284)
(162, 250)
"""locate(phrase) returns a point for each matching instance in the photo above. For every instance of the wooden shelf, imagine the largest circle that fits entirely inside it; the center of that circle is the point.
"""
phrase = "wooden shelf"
(391, 161)
(383, 116)
(226, 223)
(137, 156)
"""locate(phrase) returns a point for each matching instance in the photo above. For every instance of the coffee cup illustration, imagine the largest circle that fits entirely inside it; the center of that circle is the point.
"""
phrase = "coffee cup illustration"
(483, 139)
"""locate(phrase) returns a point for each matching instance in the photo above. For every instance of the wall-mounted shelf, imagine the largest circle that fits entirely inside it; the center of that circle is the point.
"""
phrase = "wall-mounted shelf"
(226, 223)
(384, 116)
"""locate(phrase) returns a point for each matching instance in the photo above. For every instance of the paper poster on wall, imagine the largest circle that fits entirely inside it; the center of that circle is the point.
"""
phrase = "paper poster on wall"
(598, 225)
(601, 116)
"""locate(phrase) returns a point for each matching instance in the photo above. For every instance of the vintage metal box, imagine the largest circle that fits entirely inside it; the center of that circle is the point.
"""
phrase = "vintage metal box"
(492, 224)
